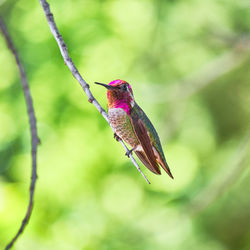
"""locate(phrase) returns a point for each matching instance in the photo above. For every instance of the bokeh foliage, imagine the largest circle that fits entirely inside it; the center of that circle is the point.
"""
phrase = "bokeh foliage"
(188, 63)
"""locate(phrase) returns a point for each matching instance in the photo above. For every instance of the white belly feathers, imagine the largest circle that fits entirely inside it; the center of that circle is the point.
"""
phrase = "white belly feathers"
(120, 122)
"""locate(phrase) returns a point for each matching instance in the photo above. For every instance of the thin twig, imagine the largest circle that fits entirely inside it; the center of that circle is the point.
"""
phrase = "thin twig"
(213, 70)
(68, 61)
(221, 65)
(182, 90)
(33, 131)
(220, 184)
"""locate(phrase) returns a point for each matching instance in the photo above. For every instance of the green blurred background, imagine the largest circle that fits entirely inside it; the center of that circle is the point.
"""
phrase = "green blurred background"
(189, 65)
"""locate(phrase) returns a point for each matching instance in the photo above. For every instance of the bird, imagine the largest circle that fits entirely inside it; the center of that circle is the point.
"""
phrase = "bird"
(132, 125)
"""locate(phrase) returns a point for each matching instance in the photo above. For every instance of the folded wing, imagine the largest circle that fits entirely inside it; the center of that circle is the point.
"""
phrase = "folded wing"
(151, 153)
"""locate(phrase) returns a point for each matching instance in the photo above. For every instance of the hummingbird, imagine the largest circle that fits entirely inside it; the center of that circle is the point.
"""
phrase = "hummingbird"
(132, 125)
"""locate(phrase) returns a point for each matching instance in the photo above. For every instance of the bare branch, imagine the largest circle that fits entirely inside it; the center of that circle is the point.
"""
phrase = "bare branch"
(33, 131)
(68, 61)
(214, 69)
(224, 180)
(178, 93)
(185, 88)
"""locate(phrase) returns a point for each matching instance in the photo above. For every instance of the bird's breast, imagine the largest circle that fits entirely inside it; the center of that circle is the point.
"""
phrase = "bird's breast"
(120, 122)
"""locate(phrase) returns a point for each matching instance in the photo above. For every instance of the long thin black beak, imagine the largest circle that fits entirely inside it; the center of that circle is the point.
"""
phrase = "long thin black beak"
(105, 85)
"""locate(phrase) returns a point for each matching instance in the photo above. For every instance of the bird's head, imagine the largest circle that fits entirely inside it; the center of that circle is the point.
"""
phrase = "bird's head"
(119, 92)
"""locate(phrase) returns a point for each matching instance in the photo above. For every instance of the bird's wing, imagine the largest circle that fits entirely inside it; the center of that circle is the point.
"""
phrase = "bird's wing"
(141, 155)
(163, 164)
(153, 153)
(147, 157)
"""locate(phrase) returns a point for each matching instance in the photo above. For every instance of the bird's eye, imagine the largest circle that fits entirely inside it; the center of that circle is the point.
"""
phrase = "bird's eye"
(124, 87)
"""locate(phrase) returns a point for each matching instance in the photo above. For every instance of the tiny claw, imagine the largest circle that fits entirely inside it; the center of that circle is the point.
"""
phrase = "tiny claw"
(90, 99)
(117, 137)
(39, 141)
(129, 152)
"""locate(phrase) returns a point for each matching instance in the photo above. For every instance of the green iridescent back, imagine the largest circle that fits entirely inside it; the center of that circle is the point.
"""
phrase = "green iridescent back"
(136, 111)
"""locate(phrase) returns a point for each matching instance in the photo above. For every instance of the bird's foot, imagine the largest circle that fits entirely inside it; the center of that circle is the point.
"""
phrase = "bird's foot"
(129, 152)
(117, 137)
